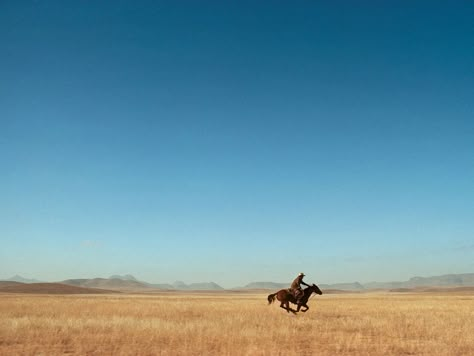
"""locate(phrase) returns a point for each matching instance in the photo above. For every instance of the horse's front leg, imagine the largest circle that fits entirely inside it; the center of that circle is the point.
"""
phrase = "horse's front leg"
(305, 308)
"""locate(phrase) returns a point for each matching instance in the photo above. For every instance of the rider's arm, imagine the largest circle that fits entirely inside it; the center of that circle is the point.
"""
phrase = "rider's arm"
(307, 285)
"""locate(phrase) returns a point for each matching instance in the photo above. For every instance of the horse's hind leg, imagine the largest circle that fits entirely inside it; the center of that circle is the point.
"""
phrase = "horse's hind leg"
(287, 308)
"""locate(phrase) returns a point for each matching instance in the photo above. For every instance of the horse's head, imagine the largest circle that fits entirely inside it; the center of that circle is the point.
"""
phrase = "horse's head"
(316, 289)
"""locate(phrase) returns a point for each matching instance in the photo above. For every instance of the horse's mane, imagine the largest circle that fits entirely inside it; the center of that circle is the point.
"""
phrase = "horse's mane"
(308, 291)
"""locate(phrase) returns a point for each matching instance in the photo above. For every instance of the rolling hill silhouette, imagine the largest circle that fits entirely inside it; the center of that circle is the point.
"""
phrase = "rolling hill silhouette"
(48, 288)
(128, 283)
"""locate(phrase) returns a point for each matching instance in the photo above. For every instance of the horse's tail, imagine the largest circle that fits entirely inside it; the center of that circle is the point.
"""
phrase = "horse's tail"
(271, 298)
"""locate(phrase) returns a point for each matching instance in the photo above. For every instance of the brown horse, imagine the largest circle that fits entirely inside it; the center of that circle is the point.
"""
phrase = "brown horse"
(285, 296)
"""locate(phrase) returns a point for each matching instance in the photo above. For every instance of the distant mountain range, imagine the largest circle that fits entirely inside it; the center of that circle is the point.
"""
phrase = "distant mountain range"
(107, 283)
(272, 285)
(179, 285)
(125, 282)
(448, 280)
(130, 283)
(126, 277)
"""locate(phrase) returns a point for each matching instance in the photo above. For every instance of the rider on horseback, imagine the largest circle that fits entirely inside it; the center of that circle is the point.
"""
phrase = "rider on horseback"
(296, 287)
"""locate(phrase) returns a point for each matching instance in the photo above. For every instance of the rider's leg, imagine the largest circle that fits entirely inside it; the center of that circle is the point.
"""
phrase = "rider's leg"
(299, 295)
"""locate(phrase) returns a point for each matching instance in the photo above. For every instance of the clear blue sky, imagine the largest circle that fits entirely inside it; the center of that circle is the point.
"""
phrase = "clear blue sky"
(236, 141)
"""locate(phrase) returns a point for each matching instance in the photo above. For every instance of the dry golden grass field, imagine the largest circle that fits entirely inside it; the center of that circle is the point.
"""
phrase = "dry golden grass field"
(236, 324)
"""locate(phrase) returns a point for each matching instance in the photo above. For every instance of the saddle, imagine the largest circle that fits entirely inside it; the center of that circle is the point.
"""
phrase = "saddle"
(294, 293)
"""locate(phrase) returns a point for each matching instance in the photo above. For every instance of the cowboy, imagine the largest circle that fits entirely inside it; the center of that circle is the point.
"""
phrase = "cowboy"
(296, 287)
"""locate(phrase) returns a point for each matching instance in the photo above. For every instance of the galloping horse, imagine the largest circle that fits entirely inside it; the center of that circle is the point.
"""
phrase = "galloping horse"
(285, 296)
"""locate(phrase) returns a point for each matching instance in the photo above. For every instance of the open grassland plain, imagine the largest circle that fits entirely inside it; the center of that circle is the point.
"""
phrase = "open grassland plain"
(236, 324)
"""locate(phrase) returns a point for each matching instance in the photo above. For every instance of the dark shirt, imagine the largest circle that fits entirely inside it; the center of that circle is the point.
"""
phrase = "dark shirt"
(297, 283)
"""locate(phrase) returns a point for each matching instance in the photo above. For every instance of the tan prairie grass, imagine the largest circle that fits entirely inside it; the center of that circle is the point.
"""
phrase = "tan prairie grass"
(236, 324)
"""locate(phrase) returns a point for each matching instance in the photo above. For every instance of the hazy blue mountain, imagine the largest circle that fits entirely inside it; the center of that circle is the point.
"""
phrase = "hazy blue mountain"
(448, 280)
(205, 286)
(383, 285)
(343, 286)
(129, 282)
(161, 285)
(179, 285)
(265, 285)
(107, 283)
(277, 286)
(126, 277)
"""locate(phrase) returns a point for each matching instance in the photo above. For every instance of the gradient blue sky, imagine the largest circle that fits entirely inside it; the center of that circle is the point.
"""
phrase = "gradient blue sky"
(236, 141)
